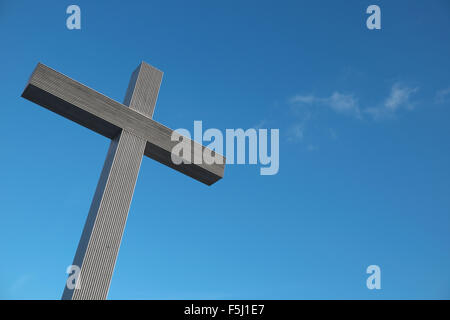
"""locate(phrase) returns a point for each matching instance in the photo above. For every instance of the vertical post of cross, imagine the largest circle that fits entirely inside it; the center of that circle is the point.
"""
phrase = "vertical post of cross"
(102, 234)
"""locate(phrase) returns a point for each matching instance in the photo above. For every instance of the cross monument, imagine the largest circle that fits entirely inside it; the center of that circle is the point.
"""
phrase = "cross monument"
(133, 133)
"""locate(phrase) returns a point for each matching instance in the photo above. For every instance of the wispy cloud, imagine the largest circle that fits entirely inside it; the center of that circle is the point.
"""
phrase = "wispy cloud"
(306, 105)
(344, 103)
(333, 134)
(308, 99)
(19, 284)
(347, 103)
(443, 96)
(312, 147)
(398, 98)
(337, 101)
(296, 132)
(260, 124)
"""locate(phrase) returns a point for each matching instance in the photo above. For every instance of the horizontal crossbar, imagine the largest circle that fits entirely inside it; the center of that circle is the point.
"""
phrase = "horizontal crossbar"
(93, 110)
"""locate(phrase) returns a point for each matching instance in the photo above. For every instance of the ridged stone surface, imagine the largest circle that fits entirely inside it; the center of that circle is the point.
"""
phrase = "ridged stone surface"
(133, 133)
(100, 241)
(103, 115)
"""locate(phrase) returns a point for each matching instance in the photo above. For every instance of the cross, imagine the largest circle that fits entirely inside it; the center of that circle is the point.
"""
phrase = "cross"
(133, 133)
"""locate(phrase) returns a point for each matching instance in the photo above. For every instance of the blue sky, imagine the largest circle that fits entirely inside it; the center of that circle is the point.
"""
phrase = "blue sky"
(364, 148)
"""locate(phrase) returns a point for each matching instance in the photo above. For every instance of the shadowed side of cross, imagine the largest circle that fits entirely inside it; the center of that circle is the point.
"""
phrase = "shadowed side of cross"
(133, 133)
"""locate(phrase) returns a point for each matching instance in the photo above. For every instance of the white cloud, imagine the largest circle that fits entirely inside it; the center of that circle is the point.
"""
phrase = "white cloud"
(260, 125)
(312, 147)
(344, 103)
(296, 132)
(333, 134)
(399, 97)
(19, 284)
(337, 101)
(309, 99)
(443, 96)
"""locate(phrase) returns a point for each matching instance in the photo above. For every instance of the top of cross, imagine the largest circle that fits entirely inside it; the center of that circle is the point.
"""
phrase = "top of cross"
(107, 117)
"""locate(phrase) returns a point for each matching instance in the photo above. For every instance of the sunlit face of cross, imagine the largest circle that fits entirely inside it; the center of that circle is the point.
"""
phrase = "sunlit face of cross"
(133, 133)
